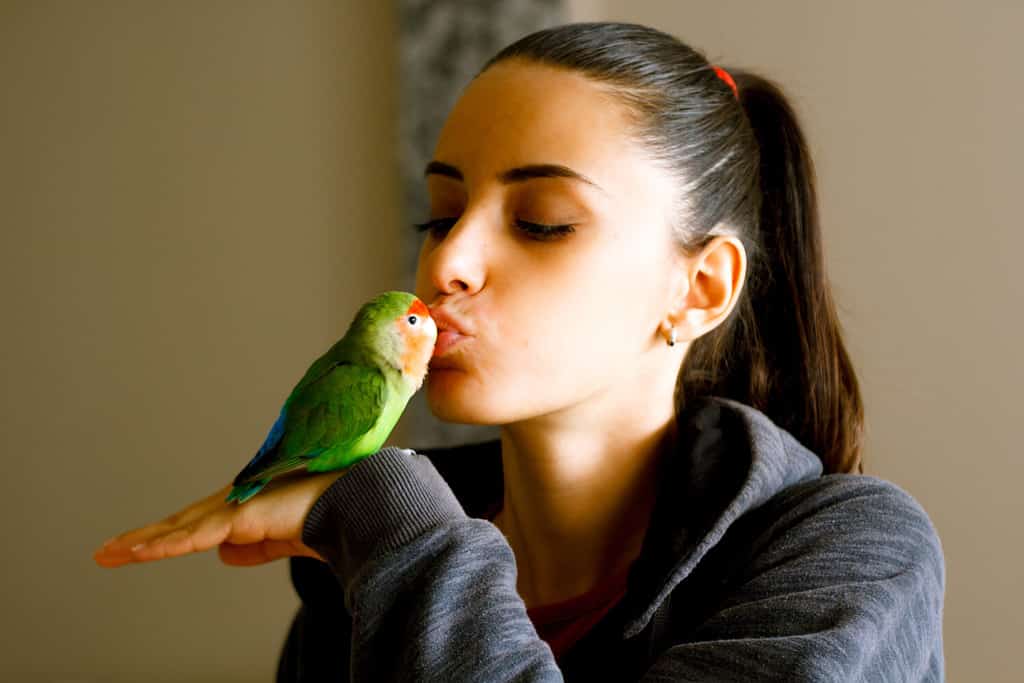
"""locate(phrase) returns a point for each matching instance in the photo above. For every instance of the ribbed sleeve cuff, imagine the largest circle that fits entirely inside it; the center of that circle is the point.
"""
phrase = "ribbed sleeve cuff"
(381, 503)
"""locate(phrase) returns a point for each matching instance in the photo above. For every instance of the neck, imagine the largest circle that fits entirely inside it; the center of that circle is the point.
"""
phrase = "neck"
(578, 493)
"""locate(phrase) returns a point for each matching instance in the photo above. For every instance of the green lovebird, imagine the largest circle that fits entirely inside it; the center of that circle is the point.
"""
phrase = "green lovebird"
(349, 400)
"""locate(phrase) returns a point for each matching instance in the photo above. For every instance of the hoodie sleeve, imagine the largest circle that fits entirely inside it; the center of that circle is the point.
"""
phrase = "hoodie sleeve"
(845, 583)
(431, 592)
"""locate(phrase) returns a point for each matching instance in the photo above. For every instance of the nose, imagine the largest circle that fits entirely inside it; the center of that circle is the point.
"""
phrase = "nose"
(454, 262)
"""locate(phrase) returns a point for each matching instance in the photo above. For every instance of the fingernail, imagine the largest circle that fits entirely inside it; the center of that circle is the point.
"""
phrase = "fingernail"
(109, 541)
(137, 546)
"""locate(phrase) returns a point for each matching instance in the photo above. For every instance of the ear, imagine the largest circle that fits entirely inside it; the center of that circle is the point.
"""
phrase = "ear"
(707, 288)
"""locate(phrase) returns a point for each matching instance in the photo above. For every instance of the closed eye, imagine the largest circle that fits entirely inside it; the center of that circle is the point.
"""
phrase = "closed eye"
(539, 231)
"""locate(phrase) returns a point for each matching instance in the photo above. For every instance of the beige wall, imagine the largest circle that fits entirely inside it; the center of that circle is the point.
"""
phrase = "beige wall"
(914, 111)
(194, 196)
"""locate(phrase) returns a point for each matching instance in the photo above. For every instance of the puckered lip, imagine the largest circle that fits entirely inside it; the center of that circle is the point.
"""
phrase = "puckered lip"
(447, 320)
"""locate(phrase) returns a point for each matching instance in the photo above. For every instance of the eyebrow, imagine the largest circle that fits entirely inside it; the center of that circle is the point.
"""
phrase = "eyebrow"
(515, 175)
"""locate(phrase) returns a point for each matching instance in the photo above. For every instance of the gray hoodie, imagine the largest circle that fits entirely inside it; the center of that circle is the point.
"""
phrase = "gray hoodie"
(754, 567)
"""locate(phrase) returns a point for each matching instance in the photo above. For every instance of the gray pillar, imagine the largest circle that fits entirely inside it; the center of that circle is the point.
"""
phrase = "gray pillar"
(442, 44)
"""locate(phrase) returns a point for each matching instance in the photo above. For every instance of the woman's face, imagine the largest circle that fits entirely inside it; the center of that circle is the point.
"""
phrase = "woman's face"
(566, 322)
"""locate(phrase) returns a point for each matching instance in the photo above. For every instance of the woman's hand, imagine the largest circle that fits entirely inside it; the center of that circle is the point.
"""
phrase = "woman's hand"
(264, 528)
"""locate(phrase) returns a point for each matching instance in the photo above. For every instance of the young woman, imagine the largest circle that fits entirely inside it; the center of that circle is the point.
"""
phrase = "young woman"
(626, 240)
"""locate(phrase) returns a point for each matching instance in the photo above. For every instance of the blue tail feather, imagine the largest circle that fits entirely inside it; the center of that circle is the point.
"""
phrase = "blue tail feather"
(243, 492)
(266, 451)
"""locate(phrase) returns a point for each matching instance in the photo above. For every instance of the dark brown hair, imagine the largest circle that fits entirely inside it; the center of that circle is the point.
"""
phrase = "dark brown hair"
(744, 170)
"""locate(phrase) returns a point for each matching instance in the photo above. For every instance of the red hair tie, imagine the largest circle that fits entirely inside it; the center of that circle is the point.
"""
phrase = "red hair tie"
(724, 75)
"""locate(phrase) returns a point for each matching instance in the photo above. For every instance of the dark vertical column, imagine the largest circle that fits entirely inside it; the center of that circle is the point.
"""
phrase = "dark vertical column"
(443, 44)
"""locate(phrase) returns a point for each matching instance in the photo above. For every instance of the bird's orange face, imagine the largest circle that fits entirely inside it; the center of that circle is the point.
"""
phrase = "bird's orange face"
(419, 332)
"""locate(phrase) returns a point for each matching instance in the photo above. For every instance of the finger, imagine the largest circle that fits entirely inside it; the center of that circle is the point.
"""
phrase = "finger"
(119, 547)
(161, 541)
(111, 559)
(141, 534)
(196, 537)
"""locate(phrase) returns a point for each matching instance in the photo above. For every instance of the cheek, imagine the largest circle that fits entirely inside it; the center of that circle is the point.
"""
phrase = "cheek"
(579, 312)
(559, 353)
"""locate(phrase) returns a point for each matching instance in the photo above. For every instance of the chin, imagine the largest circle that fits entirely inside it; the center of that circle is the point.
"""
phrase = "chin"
(452, 398)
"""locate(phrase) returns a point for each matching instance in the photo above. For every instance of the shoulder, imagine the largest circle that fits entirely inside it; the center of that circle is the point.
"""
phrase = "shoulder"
(862, 502)
(847, 570)
(836, 578)
(850, 527)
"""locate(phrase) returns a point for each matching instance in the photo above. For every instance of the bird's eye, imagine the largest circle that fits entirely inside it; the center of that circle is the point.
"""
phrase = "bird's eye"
(413, 320)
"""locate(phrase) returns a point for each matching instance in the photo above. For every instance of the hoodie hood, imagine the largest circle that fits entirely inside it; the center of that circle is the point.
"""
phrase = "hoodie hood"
(728, 458)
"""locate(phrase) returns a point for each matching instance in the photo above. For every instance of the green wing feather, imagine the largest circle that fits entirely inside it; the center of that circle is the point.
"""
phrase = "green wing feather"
(335, 412)
(325, 420)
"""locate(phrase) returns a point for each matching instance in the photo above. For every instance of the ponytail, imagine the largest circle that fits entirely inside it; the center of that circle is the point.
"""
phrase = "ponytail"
(782, 351)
